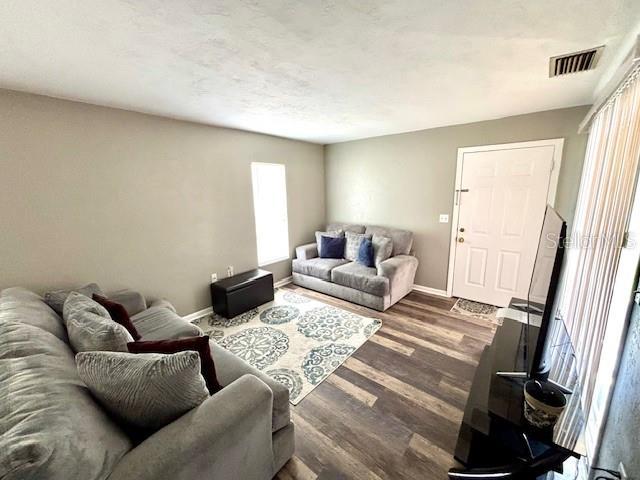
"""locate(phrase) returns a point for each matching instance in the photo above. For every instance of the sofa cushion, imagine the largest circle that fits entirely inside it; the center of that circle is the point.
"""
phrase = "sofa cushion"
(382, 248)
(162, 323)
(361, 278)
(90, 327)
(50, 426)
(402, 239)
(229, 368)
(146, 390)
(346, 227)
(317, 267)
(353, 245)
(57, 298)
(24, 306)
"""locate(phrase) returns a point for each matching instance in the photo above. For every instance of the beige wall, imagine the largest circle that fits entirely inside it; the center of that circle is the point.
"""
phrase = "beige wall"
(98, 194)
(91, 193)
(407, 180)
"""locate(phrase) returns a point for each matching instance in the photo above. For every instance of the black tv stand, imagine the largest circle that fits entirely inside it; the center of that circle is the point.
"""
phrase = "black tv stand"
(523, 306)
(528, 341)
(494, 437)
(542, 376)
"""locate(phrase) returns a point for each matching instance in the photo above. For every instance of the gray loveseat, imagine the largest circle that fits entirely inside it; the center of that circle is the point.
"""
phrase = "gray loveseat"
(376, 288)
(52, 428)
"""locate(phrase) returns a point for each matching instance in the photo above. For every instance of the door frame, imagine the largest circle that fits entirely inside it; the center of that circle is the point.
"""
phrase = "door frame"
(556, 143)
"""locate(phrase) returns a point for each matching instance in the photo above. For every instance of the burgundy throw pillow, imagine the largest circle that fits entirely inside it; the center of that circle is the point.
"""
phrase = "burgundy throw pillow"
(198, 344)
(118, 314)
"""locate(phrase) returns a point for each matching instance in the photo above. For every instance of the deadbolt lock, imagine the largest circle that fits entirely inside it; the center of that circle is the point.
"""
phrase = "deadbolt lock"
(461, 229)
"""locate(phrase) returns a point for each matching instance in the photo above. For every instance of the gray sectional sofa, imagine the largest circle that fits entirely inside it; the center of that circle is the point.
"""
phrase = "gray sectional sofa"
(374, 287)
(52, 428)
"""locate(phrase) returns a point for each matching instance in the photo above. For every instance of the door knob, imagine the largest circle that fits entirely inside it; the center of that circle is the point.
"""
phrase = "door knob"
(460, 240)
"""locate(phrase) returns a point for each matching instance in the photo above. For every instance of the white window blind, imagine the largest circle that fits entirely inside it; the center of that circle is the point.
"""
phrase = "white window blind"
(270, 209)
(594, 267)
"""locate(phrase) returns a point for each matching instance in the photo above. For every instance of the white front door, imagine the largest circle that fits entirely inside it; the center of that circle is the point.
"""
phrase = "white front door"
(503, 192)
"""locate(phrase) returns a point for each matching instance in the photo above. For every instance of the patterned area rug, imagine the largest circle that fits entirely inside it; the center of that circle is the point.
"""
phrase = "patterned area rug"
(294, 339)
(475, 309)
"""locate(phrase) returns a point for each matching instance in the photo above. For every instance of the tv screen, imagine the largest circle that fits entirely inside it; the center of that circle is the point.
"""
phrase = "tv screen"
(544, 284)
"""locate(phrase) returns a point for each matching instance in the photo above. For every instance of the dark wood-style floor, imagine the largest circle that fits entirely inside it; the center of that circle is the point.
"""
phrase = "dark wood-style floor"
(393, 409)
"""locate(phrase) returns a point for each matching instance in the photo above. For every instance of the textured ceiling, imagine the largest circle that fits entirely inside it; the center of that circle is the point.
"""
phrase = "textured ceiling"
(323, 71)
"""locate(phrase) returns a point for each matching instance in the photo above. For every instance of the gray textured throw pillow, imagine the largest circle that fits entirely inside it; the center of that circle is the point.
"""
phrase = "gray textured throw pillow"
(90, 327)
(353, 244)
(382, 248)
(145, 390)
(57, 298)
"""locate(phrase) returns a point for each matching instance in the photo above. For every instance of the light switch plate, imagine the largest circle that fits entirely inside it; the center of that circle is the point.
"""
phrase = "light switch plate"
(214, 277)
(444, 218)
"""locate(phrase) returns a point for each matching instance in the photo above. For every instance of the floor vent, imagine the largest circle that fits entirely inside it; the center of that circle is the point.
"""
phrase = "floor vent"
(575, 62)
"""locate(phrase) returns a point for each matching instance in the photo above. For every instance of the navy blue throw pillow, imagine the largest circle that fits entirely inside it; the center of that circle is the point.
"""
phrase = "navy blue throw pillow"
(365, 253)
(332, 247)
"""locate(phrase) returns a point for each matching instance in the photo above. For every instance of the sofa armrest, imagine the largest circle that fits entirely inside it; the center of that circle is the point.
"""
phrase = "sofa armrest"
(305, 252)
(132, 301)
(230, 367)
(161, 302)
(227, 436)
(401, 272)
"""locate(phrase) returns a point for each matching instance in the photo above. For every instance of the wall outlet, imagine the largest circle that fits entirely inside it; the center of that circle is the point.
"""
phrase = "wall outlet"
(230, 271)
(623, 472)
(214, 277)
(444, 218)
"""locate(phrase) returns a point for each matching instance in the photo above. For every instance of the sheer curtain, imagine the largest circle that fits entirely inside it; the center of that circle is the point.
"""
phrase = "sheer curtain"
(601, 220)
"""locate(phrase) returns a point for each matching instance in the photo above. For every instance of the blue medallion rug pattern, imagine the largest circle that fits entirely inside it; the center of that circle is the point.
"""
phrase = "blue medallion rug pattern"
(295, 340)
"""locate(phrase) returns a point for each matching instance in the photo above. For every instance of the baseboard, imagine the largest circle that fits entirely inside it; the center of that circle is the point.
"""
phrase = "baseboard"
(196, 315)
(283, 282)
(207, 311)
(430, 291)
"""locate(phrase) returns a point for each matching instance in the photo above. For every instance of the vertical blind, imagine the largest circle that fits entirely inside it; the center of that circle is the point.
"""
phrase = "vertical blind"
(270, 210)
(601, 219)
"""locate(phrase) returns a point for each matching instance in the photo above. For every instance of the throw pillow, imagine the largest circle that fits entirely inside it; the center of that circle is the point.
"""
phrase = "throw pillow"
(365, 253)
(333, 234)
(353, 245)
(77, 302)
(146, 390)
(382, 248)
(118, 314)
(57, 298)
(90, 327)
(197, 344)
(332, 247)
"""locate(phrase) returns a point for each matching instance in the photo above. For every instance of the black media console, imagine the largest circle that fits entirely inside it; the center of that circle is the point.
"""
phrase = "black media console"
(495, 440)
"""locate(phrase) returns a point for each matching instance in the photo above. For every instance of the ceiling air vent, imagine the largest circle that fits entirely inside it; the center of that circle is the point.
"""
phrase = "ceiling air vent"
(575, 62)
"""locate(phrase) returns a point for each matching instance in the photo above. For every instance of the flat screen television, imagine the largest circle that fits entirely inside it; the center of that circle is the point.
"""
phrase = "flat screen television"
(543, 291)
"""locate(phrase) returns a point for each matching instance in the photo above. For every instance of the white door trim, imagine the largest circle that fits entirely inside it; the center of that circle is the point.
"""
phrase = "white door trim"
(556, 143)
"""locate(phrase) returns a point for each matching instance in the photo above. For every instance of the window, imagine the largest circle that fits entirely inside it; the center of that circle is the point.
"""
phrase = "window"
(270, 209)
